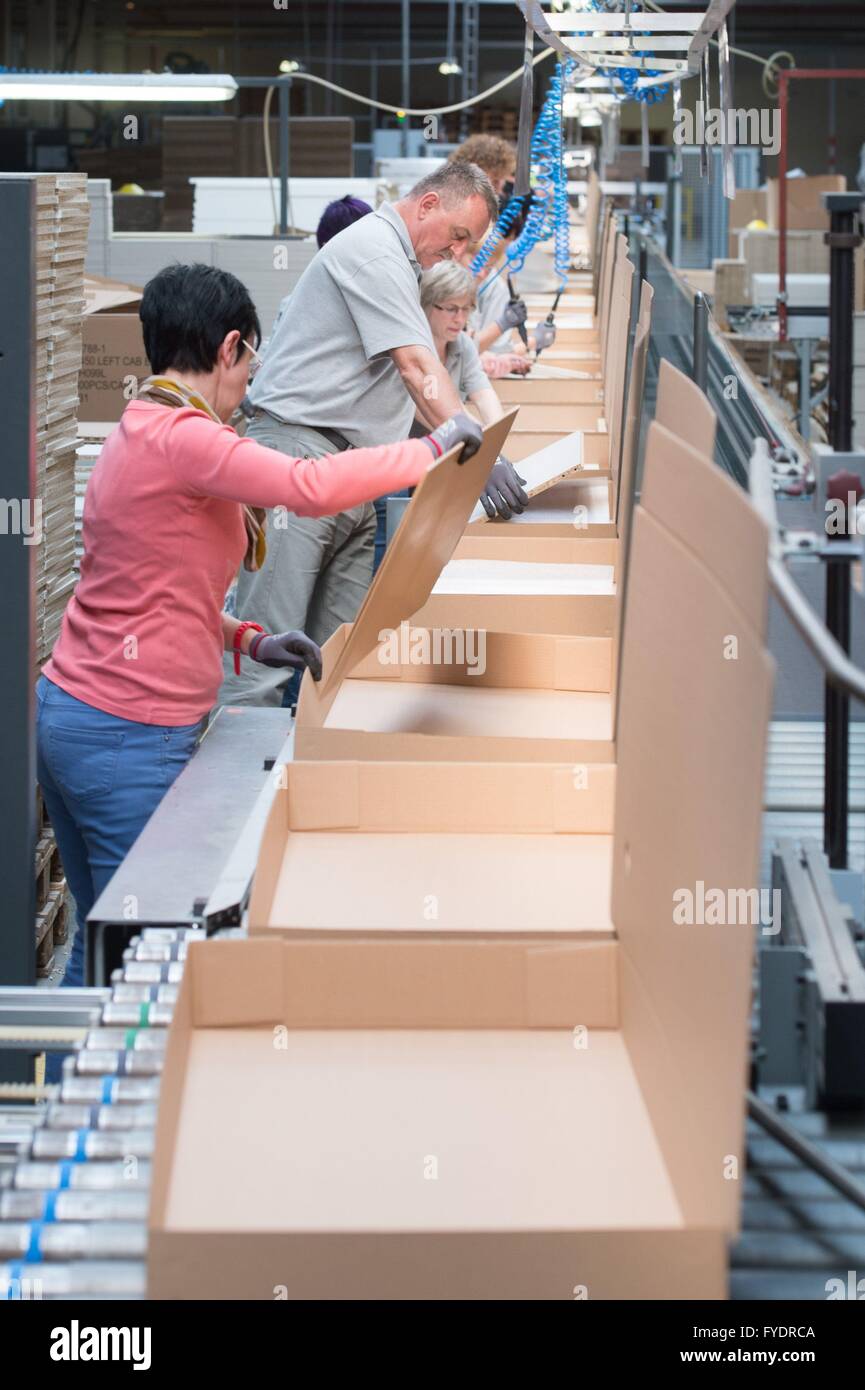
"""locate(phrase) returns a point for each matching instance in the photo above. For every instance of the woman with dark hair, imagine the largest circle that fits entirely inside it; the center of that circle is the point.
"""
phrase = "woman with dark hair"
(171, 508)
(339, 215)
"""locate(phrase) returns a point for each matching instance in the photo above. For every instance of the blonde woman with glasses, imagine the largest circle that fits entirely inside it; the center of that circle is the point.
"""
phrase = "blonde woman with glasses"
(448, 295)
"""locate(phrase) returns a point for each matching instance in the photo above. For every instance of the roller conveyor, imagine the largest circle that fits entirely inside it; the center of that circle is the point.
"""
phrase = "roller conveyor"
(75, 1171)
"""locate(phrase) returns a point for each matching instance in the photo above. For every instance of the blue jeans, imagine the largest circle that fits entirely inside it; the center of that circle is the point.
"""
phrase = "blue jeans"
(381, 523)
(101, 778)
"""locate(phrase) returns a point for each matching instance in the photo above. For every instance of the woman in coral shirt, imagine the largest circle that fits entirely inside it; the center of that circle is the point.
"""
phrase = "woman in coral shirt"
(172, 507)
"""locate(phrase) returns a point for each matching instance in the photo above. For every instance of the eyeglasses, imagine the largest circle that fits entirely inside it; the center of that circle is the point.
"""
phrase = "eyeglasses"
(257, 358)
(454, 309)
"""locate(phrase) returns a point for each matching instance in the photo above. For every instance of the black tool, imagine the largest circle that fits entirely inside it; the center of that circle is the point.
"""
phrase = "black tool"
(521, 327)
(549, 320)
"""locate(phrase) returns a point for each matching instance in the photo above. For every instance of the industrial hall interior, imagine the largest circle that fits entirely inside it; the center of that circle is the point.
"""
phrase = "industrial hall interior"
(433, 720)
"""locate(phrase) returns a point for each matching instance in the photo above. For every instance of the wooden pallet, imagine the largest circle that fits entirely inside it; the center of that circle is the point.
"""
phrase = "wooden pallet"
(52, 924)
(51, 928)
(49, 870)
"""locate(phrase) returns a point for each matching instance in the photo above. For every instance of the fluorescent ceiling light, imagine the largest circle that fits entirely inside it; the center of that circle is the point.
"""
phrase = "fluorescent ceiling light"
(105, 86)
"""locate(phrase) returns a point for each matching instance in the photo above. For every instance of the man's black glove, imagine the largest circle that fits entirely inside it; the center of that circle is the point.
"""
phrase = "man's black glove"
(292, 649)
(503, 494)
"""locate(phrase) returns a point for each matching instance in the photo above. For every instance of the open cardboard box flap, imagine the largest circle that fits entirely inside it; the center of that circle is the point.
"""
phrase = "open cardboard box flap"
(426, 539)
(684, 410)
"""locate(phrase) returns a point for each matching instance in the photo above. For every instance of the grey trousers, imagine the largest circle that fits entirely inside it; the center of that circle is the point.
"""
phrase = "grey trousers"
(314, 578)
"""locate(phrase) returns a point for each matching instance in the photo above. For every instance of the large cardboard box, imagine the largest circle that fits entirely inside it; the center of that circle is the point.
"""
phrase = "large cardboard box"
(398, 845)
(747, 205)
(358, 1104)
(399, 1121)
(473, 696)
(805, 210)
(113, 356)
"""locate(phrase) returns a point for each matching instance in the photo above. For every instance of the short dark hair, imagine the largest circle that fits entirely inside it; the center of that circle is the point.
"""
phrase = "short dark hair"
(457, 181)
(186, 312)
(339, 215)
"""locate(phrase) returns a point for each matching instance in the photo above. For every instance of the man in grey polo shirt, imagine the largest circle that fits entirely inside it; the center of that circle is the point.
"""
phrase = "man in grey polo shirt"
(349, 363)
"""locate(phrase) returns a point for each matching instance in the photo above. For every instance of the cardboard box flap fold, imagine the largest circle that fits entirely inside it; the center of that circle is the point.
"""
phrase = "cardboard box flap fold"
(712, 516)
(684, 410)
(262, 983)
(449, 798)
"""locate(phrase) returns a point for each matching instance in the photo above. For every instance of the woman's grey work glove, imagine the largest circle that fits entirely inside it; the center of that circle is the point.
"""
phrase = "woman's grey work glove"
(545, 336)
(459, 429)
(503, 494)
(293, 649)
(513, 315)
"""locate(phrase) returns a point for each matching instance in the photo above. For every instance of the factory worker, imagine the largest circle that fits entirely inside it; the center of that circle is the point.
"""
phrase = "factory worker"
(338, 215)
(171, 510)
(448, 295)
(498, 318)
(497, 315)
(350, 361)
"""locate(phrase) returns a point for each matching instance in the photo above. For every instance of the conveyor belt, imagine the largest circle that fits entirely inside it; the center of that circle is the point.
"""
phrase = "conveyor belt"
(742, 418)
(75, 1171)
(793, 797)
(797, 1231)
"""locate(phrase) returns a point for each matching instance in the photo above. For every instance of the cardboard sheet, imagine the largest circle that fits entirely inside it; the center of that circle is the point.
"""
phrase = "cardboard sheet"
(476, 884)
(560, 418)
(564, 614)
(513, 543)
(469, 1086)
(575, 507)
(523, 577)
(568, 354)
(544, 467)
(681, 488)
(523, 444)
(579, 452)
(684, 410)
(690, 647)
(539, 393)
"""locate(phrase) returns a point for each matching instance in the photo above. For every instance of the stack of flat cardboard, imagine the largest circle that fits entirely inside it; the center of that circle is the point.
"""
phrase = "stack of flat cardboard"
(62, 216)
